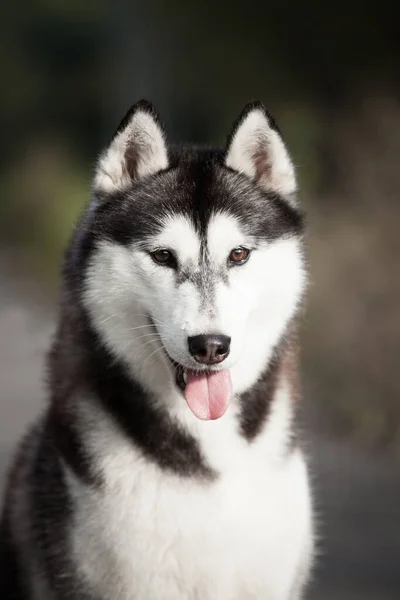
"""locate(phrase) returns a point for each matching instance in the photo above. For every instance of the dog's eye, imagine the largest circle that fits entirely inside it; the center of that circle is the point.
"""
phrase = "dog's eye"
(239, 256)
(164, 257)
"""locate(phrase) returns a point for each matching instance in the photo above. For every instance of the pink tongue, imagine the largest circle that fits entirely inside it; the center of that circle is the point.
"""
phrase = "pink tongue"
(208, 394)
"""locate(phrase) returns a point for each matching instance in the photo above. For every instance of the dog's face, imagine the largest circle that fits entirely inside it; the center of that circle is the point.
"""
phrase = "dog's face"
(196, 261)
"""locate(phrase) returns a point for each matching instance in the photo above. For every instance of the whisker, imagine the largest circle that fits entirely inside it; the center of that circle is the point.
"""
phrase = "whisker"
(133, 340)
(108, 318)
(149, 316)
(152, 354)
(140, 327)
(164, 361)
(146, 335)
(145, 344)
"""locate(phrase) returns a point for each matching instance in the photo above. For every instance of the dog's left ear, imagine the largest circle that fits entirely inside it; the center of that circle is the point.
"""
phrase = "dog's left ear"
(256, 149)
(137, 149)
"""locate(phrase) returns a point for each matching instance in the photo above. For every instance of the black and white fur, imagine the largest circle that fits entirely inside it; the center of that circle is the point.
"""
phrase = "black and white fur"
(119, 492)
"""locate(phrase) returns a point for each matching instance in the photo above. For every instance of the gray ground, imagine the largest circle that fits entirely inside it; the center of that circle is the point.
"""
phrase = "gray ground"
(357, 495)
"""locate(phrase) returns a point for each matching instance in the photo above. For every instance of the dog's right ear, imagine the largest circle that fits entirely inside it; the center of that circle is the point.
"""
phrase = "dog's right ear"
(137, 149)
(256, 149)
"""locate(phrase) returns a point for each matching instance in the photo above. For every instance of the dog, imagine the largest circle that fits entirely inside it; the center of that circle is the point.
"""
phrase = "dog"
(167, 464)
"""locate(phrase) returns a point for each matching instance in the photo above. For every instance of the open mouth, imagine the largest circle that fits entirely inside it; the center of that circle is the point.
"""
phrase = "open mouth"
(207, 392)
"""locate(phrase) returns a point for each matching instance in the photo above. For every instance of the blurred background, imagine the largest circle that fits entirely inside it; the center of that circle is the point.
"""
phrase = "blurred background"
(329, 72)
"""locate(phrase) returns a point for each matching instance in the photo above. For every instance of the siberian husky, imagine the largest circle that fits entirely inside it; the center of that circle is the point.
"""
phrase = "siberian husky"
(166, 465)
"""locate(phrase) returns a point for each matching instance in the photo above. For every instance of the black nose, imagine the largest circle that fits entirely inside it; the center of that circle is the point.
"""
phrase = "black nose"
(209, 349)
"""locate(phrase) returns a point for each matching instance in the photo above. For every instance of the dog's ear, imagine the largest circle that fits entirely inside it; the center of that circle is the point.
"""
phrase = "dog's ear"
(137, 149)
(256, 149)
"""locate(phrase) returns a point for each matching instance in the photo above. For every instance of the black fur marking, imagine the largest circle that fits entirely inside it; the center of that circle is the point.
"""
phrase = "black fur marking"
(199, 186)
(196, 184)
(81, 365)
(66, 378)
(12, 582)
(67, 438)
(37, 487)
(257, 401)
(51, 513)
(158, 436)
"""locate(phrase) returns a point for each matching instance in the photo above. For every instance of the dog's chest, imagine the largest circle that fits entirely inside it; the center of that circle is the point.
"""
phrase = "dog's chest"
(151, 534)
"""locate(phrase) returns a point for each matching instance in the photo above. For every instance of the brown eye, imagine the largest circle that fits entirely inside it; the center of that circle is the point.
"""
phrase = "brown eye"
(164, 257)
(239, 256)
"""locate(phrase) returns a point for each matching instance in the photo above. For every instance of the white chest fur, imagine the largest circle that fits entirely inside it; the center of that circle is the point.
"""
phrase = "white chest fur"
(152, 535)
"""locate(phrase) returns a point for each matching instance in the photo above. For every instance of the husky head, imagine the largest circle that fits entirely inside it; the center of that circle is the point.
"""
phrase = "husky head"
(194, 265)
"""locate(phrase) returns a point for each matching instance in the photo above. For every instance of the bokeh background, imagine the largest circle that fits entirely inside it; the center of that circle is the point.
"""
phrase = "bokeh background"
(329, 72)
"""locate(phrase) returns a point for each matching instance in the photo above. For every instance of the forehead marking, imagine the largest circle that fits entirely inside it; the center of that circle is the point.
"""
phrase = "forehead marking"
(223, 235)
(203, 257)
(179, 234)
